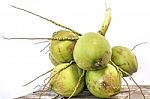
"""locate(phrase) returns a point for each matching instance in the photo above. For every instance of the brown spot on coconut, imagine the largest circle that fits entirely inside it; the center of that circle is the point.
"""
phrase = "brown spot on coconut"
(105, 82)
(92, 51)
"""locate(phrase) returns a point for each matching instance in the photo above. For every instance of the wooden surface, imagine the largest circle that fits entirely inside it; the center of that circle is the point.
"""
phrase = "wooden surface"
(135, 94)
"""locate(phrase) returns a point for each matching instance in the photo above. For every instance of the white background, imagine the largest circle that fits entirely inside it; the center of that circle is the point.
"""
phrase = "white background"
(21, 60)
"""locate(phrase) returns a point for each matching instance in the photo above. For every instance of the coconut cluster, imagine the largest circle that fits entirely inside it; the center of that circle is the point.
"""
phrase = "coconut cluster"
(87, 61)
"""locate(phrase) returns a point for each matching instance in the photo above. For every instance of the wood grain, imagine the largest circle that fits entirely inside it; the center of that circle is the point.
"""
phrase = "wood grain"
(135, 94)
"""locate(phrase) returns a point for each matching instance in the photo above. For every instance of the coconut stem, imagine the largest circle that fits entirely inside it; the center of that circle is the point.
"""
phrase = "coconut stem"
(45, 83)
(138, 45)
(61, 70)
(76, 87)
(60, 25)
(45, 47)
(128, 87)
(133, 81)
(43, 90)
(38, 77)
(41, 42)
(54, 38)
(129, 77)
(106, 22)
(138, 86)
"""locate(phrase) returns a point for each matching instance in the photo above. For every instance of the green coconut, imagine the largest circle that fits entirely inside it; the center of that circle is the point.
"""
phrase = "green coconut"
(104, 83)
(61, 51)
(92, 51)
(125, 59)
(64, 83)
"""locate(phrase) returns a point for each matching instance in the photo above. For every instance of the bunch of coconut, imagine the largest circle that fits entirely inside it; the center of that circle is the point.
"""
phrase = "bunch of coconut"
(90, 61)
(87, 61)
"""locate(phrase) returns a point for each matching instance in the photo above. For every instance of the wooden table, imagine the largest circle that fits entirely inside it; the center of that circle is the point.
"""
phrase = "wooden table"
(135, 94)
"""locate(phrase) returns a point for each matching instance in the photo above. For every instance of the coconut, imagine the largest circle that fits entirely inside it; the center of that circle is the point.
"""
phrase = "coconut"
(64, 82)
(125, 59)
(104, 83)
(92, 51)
(61, 51)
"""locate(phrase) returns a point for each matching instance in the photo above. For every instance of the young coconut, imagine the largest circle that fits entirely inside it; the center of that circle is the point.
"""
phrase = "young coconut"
(61, 51)
(92, 51)
(67, 79)
(104, 83)
(125, 59)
